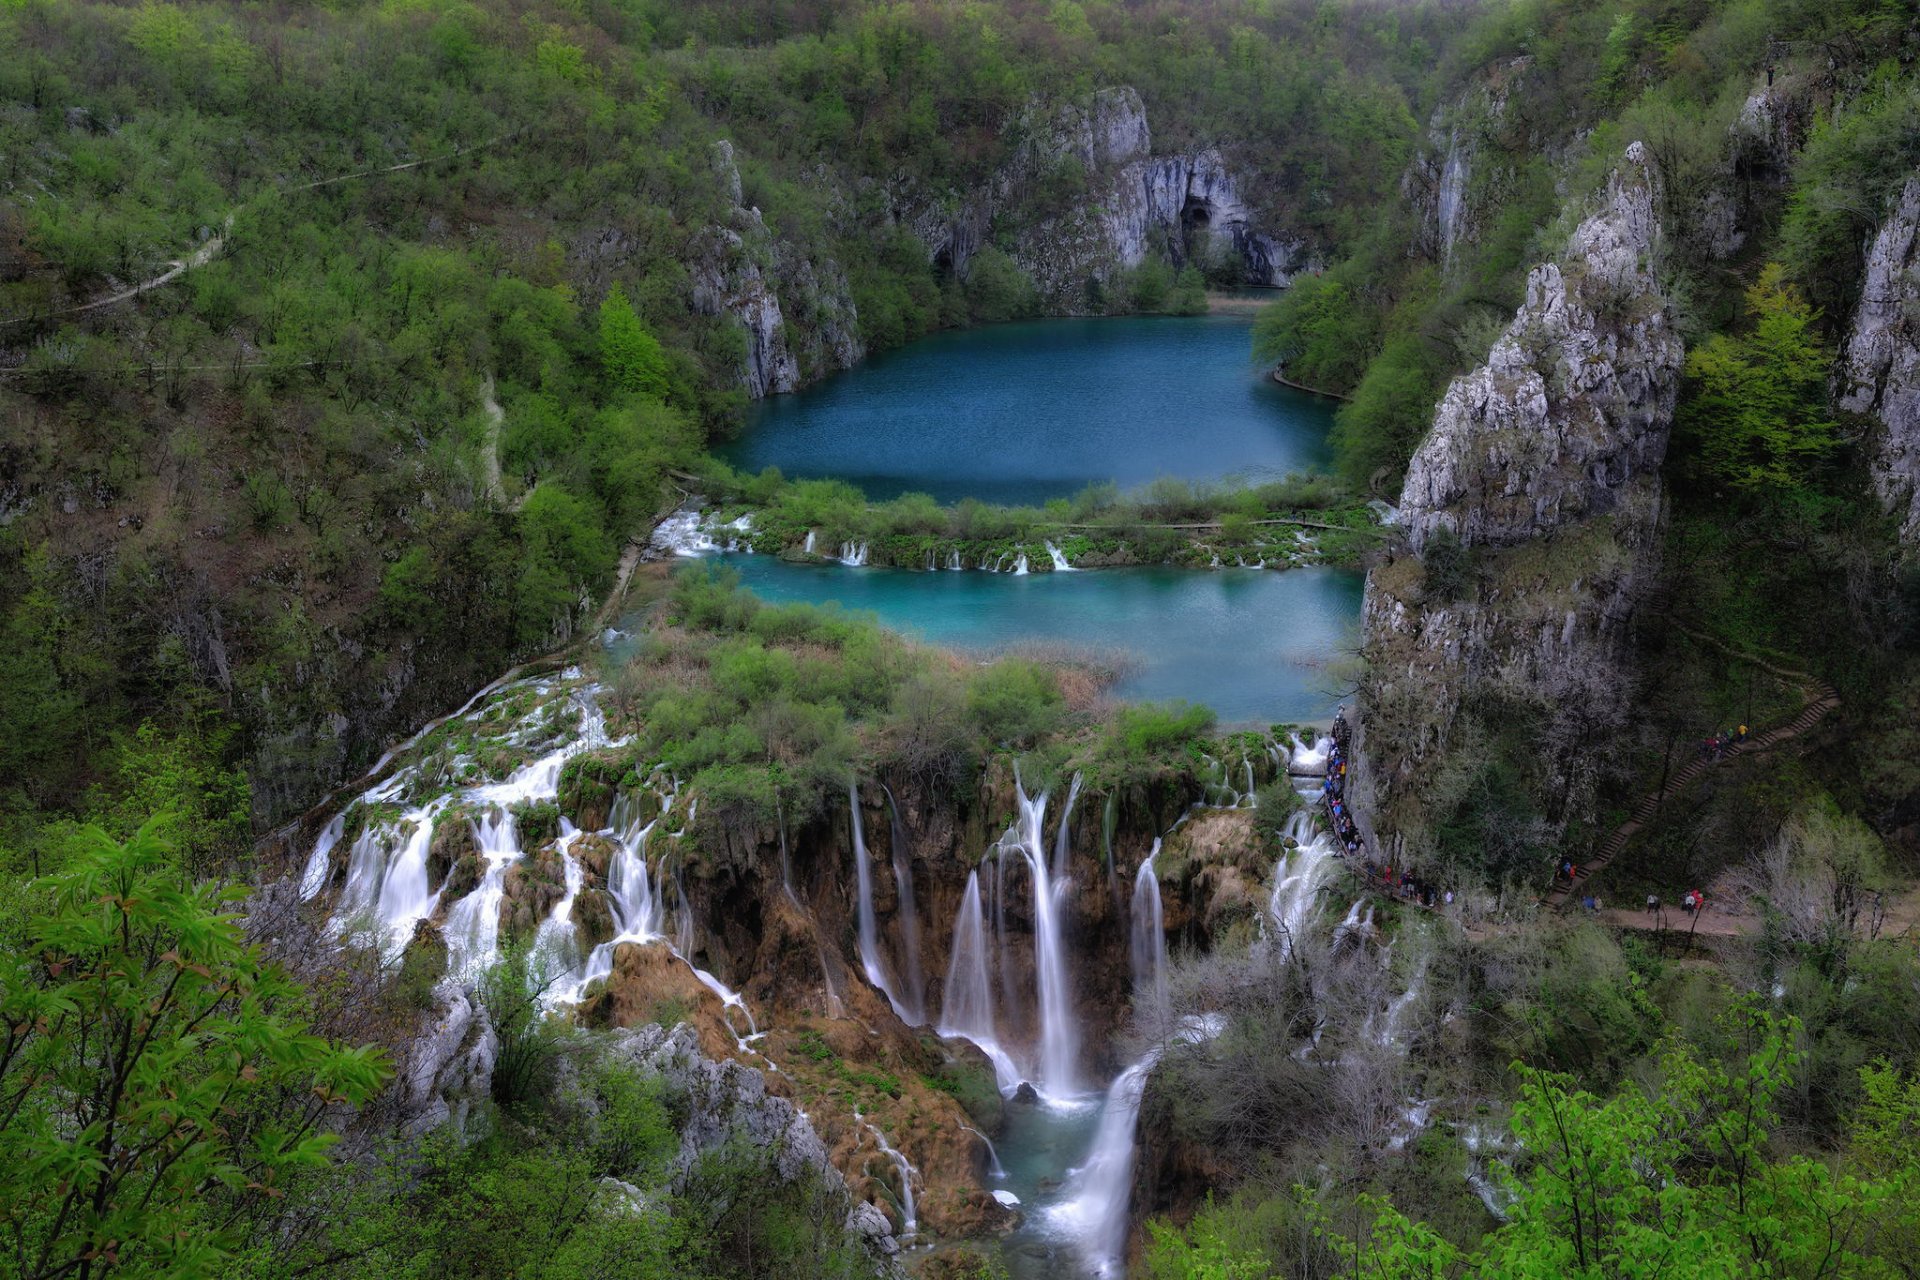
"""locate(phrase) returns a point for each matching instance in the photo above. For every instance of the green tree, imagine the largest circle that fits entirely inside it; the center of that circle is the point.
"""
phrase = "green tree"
(631, 356)
(158, 1087)
(1757, 404)
(1674, 1182)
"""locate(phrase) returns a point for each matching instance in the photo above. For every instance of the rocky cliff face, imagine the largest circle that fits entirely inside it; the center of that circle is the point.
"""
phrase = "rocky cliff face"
(1084, 197)
(740, 269)
(1544, 464)
(1465, 134)
(1880, 372)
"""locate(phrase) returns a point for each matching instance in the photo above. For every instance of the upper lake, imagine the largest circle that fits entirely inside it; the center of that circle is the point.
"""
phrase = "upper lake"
(1019, 413)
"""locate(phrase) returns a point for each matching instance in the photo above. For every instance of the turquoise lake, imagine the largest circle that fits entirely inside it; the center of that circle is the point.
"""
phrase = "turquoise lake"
(1252, 644)
(1019, 413)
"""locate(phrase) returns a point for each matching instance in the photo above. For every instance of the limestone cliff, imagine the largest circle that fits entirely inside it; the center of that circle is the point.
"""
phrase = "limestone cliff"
(742, 270)
(1880, 371)
(1544, 464)
(1461, 173)
(1083, 197)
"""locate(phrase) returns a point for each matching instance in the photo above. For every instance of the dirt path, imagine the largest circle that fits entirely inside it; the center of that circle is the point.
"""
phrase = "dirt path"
(490, 452)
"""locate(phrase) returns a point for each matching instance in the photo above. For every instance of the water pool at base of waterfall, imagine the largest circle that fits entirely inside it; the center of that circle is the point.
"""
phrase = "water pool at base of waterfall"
(1020, 413)
(1252, 644)
(1039, 1144)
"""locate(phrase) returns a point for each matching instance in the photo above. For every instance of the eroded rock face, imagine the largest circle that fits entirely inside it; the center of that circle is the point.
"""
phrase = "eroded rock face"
(1880, 372)
(742, 270)
(1545, 462)
(1130, 206)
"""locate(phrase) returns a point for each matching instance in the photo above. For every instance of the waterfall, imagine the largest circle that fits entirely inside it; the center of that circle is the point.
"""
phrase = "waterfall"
(910, 1223)
(1060, 564)
(853, 554)
(1296, 880)
(995, 1169)
(809, 544)
(1020, 565)
(909, 912)
(1059, 1035)
(557, 935)
(1149, 951)
(1310, 760)
(473, 926)
(953, 561)
(1096, 1211)
(1061, 837)
(314, 877)
(966, 1005)
(870, 959)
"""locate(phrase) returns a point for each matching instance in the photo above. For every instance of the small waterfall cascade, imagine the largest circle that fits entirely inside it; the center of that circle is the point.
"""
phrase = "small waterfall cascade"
(1060, 564)
(1020, 565)
(786, 859)
(314, 877)
(853, 554)
(1063, 836)
(966, 1007)
(870, 958)
(387, 885)
(909, 912)
(1296, 880)
(812, 540)
(995, 1169)
(1149, 949)
(910, 1221)
(1310, 761)
(1059, 1034)
(953, 561)
(1095, 1213)
(557, 935)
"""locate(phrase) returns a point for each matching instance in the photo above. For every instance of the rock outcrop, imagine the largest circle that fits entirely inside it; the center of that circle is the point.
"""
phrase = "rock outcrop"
(1465, 133)
(1880, 372)
(1083, 198)
(740, 269)
(1544, 465)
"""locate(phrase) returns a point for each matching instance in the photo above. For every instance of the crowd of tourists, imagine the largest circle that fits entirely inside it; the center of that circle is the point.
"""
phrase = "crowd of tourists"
(1353, 845)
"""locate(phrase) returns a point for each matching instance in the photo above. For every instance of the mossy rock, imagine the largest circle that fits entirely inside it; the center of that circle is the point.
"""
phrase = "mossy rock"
(589, 782)
(532, 886)
(595, 855)
(593, 919)
(463, 878)
(452, 840)
(536, 822)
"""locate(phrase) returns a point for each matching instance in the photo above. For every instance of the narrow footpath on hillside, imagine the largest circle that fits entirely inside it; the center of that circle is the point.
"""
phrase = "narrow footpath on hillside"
(1724, 919)
(1821, 698)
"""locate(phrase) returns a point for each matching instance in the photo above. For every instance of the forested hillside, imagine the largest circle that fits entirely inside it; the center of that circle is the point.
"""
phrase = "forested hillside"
(350, 353)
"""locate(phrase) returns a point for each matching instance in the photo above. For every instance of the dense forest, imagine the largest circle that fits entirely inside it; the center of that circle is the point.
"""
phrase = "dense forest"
(351, 352)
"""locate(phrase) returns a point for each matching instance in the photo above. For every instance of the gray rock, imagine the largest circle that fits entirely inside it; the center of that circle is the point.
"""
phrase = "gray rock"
(1547, 460)
(450, 1064)
(1880, 369)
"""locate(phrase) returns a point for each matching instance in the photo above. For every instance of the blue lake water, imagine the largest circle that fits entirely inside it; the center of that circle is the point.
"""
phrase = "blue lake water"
(1252, 644)
(1019, 413)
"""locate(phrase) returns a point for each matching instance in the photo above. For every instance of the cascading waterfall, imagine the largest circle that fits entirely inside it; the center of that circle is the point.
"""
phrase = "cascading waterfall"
(1020, 565)
(1060, 564)
(808, 546)
(1062, 836)
(556, 937)
(1095, 1213)
(870, 959)
(910, 1221)
(953, 561)
(994, 1168)
(314, 877)
(1059, 1034)
(853, 554)
(1296, 880)
(1149, 949)
(966, 1006)
(908, 913)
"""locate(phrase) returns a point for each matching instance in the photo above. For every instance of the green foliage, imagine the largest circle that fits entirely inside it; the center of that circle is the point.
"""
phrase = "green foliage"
(1447, 565)
(531, 1041)
(1756, 410)
(997, 289)
(632, 357)
(158, 1084)
(1678, 1181)
(1156, 729)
